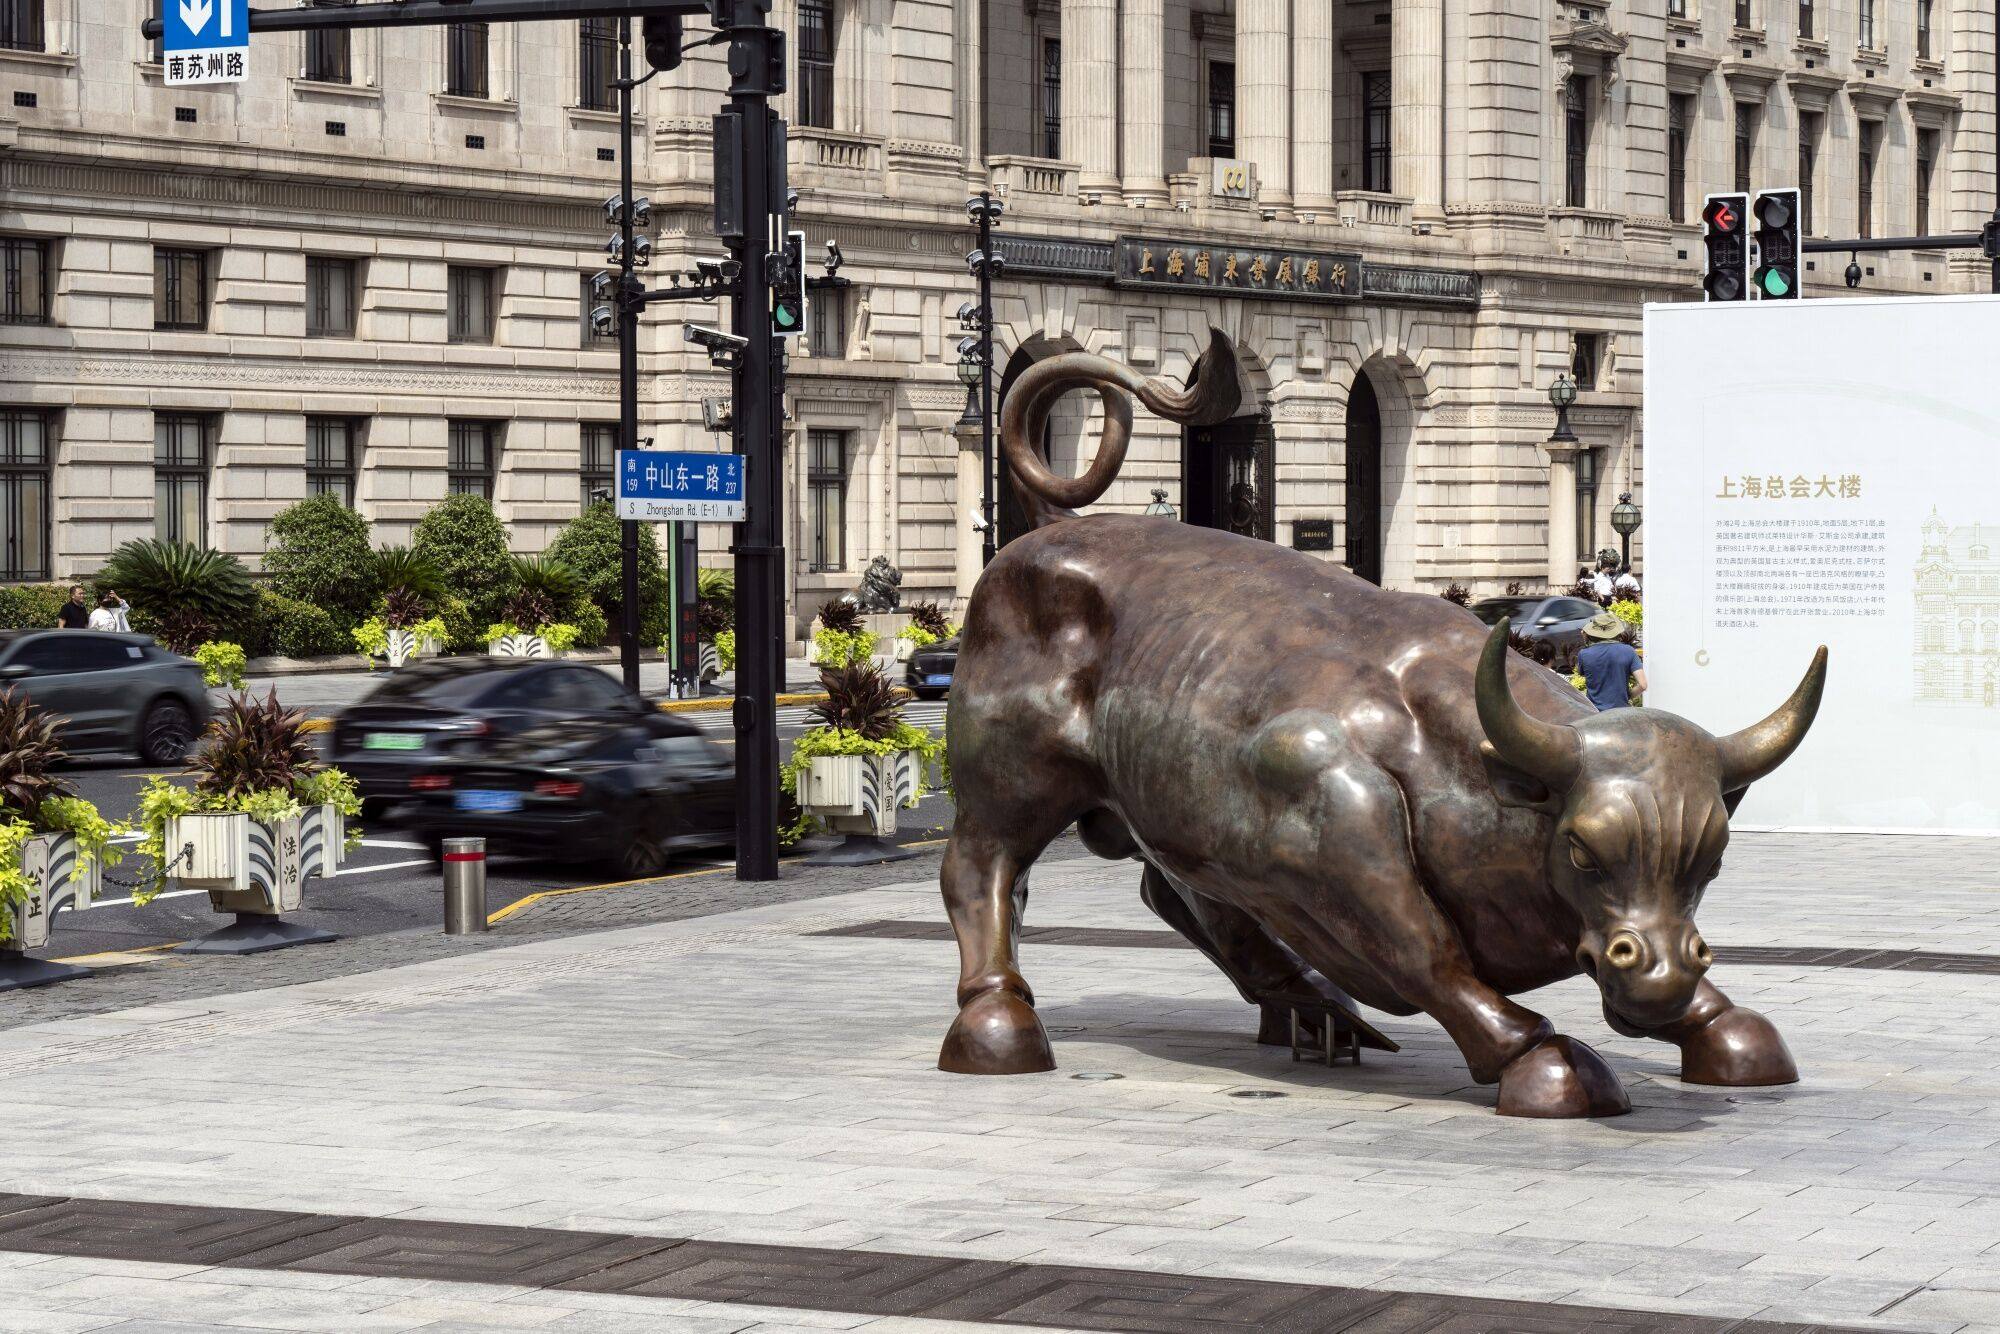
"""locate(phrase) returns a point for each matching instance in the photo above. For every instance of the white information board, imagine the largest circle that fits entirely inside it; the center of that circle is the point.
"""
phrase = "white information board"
(1828, 472)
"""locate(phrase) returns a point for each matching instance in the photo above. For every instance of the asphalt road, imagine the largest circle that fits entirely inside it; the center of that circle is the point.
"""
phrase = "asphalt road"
(388, 883)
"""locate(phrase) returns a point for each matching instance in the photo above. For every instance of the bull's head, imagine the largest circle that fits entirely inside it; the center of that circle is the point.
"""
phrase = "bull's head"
(1641, 803)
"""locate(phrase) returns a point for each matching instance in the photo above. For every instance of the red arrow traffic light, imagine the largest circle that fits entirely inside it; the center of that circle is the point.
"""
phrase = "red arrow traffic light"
(1723, 215)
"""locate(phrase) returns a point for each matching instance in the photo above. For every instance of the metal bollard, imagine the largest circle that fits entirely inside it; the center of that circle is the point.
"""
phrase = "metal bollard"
(464, 886)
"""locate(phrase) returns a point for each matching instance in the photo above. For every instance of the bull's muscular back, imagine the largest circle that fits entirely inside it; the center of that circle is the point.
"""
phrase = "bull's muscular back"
(1253, 715)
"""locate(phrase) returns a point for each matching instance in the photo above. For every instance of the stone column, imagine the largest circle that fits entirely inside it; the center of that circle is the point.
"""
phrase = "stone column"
(1145, 102)
(1312, 111)
(1416, 80)
(968, 497)
(1264, 96)
(1563, 560)
(1090, 94)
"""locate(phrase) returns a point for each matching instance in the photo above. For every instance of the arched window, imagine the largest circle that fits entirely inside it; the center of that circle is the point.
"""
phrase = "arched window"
(1965, 636)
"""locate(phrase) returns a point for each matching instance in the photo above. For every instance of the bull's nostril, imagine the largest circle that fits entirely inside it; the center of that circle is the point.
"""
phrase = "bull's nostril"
(1624, 951)
(1702, 954)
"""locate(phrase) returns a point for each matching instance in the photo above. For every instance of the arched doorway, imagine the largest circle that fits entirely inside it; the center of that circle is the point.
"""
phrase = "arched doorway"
(1363, 516)
(1227, 476)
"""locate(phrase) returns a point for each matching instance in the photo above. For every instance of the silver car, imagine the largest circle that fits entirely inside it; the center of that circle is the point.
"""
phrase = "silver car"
(116, 692)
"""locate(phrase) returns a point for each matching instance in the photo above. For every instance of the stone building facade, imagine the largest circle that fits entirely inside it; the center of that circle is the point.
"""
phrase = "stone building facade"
(364, 269)
(1956, 659)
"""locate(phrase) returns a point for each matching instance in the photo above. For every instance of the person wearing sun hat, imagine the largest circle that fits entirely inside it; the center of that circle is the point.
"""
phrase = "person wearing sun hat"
(1609, 666)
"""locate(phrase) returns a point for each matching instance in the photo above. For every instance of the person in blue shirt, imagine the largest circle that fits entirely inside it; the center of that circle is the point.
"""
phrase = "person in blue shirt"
(1608, 666)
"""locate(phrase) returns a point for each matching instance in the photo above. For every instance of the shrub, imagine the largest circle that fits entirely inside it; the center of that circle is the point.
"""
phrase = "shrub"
(588, 547)
(844, 648)
(592, 629)
(31, 606)
(185, 593)
(545, 590)
(725, 650)
(715, 601)
(460, 636)
(295, 629)
(319, 553)
(221, 663)
(1629, 610)
(463, 541)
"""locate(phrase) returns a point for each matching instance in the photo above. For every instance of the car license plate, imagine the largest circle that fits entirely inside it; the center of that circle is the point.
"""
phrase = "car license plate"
(485, 801)
(393, 741)
(938, 679)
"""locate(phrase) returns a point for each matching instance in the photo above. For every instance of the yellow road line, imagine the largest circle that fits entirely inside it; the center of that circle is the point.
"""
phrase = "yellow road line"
(119, 958)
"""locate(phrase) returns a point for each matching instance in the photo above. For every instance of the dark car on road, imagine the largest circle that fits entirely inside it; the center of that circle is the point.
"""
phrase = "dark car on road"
(931, 668)
(458, 708)
(626, 792)
(1555, 621)
(115, 692)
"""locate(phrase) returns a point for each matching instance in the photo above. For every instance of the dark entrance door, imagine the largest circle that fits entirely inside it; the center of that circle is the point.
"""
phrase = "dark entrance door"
(1364, 481)
(1228, 471)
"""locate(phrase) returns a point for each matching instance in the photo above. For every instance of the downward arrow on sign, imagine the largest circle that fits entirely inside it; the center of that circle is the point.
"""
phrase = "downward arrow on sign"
(195, 14)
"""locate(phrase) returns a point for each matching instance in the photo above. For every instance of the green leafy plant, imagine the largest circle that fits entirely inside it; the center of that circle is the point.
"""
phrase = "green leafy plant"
(591, 627)
(30, 750)
(588, 545)
(715, 604)
(35, 802)
(461, 635)
(221, 663)
(462, 539)
(31, 606)
(294, 629)
(409, 582)
(372, 635)
(1631, 611)
(544, 589)
(725, 650)
(319, 553)
(183, 593)
(844, 648)
(559, 637)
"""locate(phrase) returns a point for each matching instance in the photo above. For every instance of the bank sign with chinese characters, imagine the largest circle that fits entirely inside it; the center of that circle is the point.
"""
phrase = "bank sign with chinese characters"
(1246, 271)
(205, 41)
(657, 485)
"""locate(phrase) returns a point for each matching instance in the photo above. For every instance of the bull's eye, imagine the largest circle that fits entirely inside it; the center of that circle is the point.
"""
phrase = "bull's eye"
(1580, 858)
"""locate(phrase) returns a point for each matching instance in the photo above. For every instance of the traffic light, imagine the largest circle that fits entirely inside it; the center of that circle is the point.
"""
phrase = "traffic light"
(788, 289)
(1725, 248)
(663, 40)
(1776, 213)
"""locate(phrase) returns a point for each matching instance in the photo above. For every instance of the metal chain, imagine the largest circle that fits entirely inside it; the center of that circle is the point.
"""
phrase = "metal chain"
(187, 855)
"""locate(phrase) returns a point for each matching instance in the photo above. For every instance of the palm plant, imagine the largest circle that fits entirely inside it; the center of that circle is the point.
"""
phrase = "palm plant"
(860, 699)
(253, 746)
(401, 570)
(29, 751)
(1457, 593)
(715, 605)
(543, 588)
(840, 616)
(181, 587)
(930, 618)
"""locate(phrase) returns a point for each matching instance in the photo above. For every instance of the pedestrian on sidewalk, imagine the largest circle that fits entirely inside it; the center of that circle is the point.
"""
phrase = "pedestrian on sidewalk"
(113, 613)
(1609, 665)
(74, 614)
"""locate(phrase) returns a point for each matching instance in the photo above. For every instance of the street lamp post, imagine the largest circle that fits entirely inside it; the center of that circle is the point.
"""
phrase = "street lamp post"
(1562, 395)
(986, 264)
(1161, 508)
(1625, 519)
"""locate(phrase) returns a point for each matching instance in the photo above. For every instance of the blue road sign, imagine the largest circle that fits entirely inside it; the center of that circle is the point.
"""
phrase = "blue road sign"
(656, 484)
(205, 41)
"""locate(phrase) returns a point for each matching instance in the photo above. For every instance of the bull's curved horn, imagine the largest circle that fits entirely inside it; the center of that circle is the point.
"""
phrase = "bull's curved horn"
(1546, 751)
(1213, 396)
(1750, 754)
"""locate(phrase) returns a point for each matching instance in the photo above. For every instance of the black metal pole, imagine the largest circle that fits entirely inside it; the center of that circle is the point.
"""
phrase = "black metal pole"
(759, 546)
(989, 482)
(628, 363)
(421, 13)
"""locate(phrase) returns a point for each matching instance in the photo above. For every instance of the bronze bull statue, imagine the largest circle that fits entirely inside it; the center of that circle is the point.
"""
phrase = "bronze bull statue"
(1334, 789)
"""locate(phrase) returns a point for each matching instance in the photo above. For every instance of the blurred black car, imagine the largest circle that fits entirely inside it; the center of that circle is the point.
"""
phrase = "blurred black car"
(626, 792)
(1555, 621)
(930, 670)
(456, 708)
(115, 692)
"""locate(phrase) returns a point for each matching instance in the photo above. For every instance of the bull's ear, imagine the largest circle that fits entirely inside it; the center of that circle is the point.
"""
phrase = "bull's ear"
(1515, 787)
(1731, 800)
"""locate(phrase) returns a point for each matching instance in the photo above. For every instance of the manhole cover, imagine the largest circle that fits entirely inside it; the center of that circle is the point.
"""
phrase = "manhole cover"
(1259, 1093)
(1097, 1075)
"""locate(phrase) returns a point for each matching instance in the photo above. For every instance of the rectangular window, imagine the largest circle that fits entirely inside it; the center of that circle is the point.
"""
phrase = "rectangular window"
(469, 302)
(1865, 24)
(816, 64)
(826, 330)
(1222, 108)
(21, 26)
(1586, 355)
(594, 341)
(1927, 142)
(1923, 29)
(25, 456)
(329, 51)
(1746, 143)
(1576, 142)
(470, 467)
(826, 497)
(1744, 16)
(332, 454)
(26, 298)
(1805, 20)
(1586, 505)
(180, 476)
(1809, 122)
(1864, 178)
(1677, 9)
(329, 297)
(597, 64)
(465, 60)
(1051, 97)
(1376, 105)
(1680, 114)
(600, 457)
(180, 289)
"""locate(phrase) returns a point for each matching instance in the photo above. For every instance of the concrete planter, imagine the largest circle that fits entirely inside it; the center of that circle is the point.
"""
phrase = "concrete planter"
(256, 871)
(49, 861)
(519, 646)
(859, 794)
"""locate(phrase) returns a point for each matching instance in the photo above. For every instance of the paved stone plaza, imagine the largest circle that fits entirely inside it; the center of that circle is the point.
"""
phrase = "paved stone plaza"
(745, 1078)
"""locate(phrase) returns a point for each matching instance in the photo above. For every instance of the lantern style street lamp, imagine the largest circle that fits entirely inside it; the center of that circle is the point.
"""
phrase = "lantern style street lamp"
(1561, 395)
(1160, 509)
(971, 373)
(1625, 519)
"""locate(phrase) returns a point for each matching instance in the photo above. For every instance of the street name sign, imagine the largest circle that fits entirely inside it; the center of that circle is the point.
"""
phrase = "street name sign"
(205, 41)
(656, 484)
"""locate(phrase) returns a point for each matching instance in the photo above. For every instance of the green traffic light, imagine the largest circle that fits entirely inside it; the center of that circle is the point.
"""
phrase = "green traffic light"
(1775, 284)
(783, 317)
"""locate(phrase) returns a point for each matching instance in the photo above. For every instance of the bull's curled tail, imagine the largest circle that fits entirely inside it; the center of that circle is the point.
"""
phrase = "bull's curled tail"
(1212, 396)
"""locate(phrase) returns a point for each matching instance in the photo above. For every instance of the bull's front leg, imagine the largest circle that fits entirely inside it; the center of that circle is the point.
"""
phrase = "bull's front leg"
(985, 888)
(1723, 1043)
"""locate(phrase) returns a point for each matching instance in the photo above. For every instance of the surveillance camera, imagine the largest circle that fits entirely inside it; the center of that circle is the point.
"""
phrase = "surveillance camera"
(968, 347)
(968, 313)
(614, 208)
(979, 524)
(723, 348)
(997, 265)
(834, 259)
(973, 208)
(603, 321)
(997, 207)
(1853, 274)
(642, 250)
(601, 287)
(791, 201)
(974, 259)
(710, 270)
(718, 414)
(732, 269)
(615, 247)
(642, 213)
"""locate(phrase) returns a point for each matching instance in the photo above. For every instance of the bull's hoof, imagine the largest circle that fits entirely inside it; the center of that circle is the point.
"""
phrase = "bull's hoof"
(1738, 1048)
(1560, 1077)
(996, 1033)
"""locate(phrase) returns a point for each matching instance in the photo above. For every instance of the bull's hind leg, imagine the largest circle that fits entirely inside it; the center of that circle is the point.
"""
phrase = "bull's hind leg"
(1724, 1043)
(985, 881)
